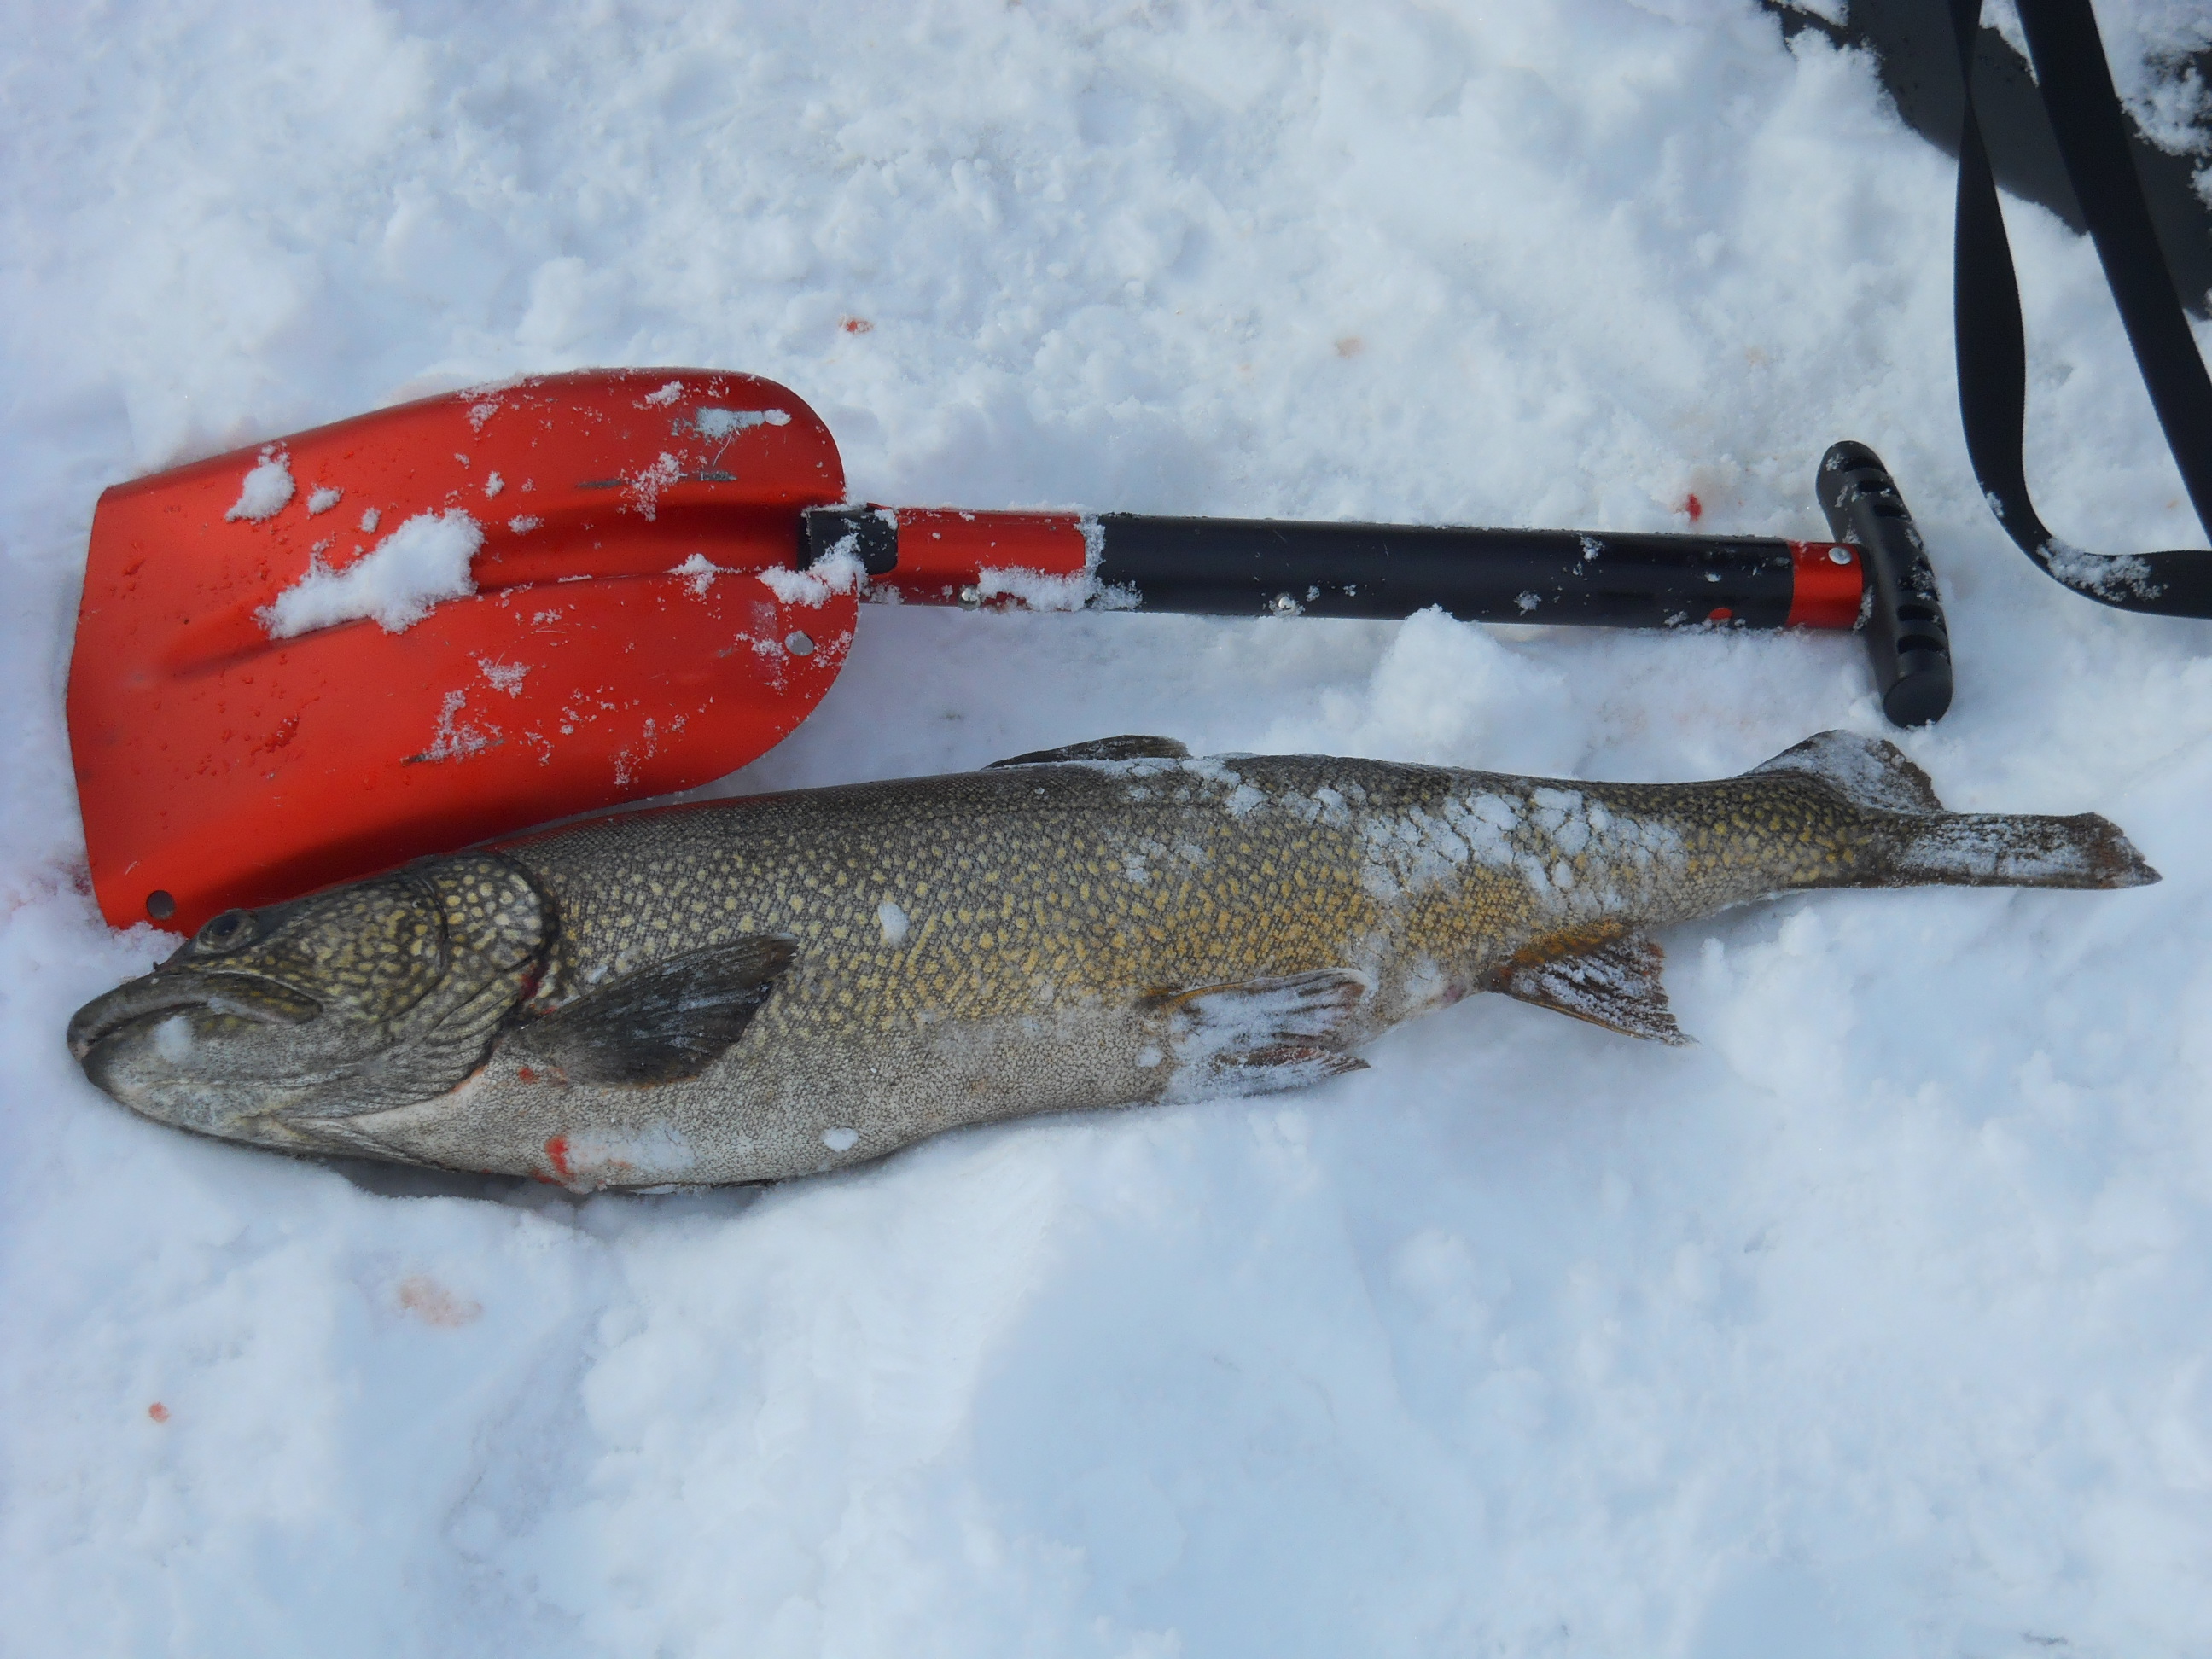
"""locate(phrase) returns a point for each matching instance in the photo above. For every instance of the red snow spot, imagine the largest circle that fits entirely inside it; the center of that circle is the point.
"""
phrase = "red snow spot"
(524, 1074)
(434, 1304)
(557, 1154)
(1693, 506)
(857, 325)
(158, 1412)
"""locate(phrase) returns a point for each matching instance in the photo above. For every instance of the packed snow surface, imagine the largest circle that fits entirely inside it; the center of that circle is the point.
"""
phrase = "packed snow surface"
(1875, 1322)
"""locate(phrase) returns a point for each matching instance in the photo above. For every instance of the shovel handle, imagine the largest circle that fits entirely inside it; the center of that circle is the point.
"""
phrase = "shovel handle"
(1263, 566)
(1874, 577)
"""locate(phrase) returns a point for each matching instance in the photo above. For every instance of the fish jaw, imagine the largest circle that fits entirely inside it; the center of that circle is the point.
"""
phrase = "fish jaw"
(165, 1046)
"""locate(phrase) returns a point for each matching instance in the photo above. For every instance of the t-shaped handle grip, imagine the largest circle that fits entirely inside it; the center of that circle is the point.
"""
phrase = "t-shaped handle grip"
(1903, 620)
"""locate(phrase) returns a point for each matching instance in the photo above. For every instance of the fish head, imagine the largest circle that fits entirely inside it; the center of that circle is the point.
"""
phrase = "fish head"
(274, 1025)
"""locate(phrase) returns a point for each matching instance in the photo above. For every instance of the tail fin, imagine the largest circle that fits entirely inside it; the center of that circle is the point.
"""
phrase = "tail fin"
(1929, 845)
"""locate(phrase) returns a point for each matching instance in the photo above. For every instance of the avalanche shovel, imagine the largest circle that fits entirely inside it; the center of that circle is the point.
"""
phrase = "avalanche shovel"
(305, 661)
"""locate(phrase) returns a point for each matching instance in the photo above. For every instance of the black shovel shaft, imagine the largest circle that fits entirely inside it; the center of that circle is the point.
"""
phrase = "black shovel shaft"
(1269, 567)
(1874, 577)
(1248, 567)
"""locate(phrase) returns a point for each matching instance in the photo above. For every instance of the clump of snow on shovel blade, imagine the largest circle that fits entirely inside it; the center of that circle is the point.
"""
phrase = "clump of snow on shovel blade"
(728, 423)
(839, 572)
(424, 560)
(267, 487)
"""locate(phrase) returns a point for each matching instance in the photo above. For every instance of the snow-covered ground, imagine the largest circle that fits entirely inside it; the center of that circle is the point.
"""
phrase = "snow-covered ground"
(1874, 1323)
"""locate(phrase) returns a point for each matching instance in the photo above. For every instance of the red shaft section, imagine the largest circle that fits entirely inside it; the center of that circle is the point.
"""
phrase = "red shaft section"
(1830, 585)
(942, 551)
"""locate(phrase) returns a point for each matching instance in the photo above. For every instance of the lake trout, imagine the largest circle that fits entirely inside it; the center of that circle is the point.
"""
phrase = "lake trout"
(748, 990)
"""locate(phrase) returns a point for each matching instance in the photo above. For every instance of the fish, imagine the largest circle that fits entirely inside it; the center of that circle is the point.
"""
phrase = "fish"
(760, 988)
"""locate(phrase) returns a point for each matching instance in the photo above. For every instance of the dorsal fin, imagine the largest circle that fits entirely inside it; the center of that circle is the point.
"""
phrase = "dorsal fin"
(1865, 771)
(662, 1023)
(1102, 749)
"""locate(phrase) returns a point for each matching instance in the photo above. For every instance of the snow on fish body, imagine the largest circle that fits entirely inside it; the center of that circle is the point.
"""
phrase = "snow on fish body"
(753, 989)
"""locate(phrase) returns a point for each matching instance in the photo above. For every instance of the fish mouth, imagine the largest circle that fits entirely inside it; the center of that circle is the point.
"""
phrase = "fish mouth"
(160, 995)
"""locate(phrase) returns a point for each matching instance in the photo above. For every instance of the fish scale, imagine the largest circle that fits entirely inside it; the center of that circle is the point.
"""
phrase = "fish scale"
(720, 992)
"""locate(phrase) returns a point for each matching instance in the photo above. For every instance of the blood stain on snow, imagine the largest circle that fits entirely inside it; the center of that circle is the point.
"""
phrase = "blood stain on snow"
(158, 1412)
(434, 1304)
(557, 1154)
(857, 325)
(1693, 506)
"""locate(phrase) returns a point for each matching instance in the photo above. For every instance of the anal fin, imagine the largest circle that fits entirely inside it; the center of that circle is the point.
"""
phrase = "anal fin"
(1615, 985)
(1259, 1036)
(1102, 749)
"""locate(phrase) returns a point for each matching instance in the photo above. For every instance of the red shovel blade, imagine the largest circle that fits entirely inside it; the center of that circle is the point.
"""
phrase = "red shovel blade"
(619, 641)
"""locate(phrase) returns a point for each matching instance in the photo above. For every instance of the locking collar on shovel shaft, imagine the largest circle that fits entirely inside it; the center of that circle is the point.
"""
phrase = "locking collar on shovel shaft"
(438, 624)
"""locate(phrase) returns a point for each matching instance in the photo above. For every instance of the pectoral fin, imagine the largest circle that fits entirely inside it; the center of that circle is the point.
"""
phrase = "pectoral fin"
(1616, 986)
(659, 1024)
(1102, 749)
(1259, 1036)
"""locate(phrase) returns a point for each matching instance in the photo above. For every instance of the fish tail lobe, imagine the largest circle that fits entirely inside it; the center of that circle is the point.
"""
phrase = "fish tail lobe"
(2003, 850)
(1918, 842)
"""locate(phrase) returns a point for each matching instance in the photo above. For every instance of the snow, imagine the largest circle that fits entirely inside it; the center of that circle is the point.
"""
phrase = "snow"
(267, 487)
(839, 571)
(698, 571)
(1874, 1322)
(728, 423)
(396, 583)
(506, 676)
(1035, 590)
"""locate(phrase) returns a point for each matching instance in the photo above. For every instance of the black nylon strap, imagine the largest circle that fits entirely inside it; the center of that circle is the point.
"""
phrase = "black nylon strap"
(2085, 113)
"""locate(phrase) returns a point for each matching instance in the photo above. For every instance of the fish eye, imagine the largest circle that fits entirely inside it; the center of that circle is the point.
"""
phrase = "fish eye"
(225, 932)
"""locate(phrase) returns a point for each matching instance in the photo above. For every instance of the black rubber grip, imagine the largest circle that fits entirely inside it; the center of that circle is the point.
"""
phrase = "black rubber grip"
(1252, 566)
(1907, 642)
